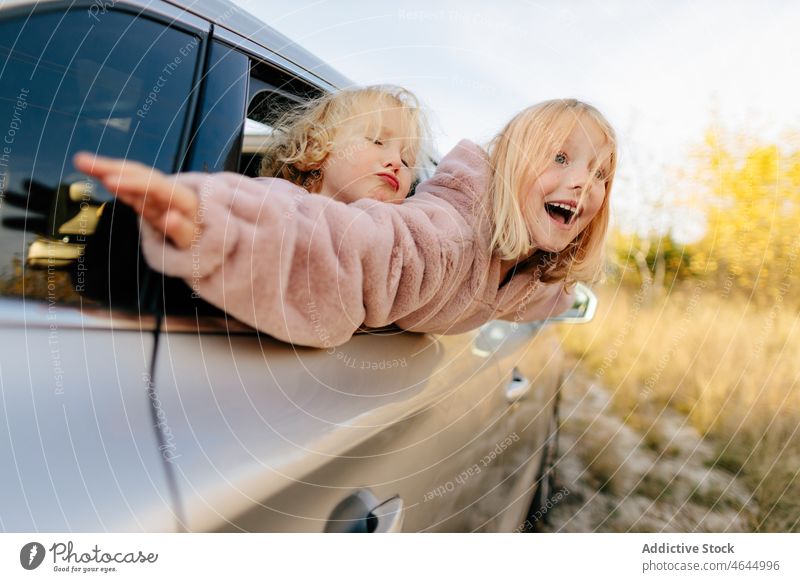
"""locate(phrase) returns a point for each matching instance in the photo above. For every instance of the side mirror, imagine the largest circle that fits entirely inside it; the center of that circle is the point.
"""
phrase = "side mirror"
(582, 310)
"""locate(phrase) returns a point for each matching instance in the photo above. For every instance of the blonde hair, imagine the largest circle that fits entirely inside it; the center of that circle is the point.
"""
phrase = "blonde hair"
(305, 136)
(520, 153)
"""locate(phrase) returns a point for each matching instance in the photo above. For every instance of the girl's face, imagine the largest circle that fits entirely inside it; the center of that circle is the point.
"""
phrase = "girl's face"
(368, 162)
(561, 202)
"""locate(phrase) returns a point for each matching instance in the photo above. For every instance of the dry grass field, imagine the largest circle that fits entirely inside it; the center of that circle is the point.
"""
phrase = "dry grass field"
(681, 413)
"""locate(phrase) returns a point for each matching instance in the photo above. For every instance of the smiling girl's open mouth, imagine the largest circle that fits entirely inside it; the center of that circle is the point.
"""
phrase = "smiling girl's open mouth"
(563, 214)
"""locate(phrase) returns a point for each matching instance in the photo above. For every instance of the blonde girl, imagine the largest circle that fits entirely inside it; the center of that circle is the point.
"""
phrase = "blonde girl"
(553, 166)
(502, 234)
(329, 145)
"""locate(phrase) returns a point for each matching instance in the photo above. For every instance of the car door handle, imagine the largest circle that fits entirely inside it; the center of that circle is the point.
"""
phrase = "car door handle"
(389, 516)
(362, 513)
(517, 387)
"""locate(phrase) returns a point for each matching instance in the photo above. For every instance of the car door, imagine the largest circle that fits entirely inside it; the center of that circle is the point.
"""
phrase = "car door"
(79, 450)
(531, 362)
(425, 431)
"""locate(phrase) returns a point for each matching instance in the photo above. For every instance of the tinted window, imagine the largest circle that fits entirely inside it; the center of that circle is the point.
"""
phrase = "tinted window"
(217, 139)
(68, 83)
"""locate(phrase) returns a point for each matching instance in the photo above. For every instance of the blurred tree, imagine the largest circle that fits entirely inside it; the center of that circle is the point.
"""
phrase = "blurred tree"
(656, 263)
(750, 195)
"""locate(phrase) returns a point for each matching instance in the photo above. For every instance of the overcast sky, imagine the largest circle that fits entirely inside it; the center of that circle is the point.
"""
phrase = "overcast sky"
(662, 72)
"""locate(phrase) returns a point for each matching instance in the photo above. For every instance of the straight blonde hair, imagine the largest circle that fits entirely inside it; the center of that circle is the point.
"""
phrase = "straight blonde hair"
(519, 154)
(304, 137)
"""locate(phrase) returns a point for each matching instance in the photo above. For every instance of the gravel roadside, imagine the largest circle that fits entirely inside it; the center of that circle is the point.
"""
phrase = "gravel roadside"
(613, 477)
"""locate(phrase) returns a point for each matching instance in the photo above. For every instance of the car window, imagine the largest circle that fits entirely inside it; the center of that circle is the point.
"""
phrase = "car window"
(216, 139)
(118, 88)
(256, 138)
(270, 96)
(241, 100)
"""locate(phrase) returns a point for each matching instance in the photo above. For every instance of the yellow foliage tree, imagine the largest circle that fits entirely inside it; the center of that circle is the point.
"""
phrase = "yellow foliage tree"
(751, 198)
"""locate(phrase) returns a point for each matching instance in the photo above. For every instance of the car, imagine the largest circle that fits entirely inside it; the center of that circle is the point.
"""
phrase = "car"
(131, 405)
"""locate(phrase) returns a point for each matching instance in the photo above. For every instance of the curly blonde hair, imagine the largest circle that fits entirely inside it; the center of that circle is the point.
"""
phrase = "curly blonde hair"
(521, 151)
(304, 136)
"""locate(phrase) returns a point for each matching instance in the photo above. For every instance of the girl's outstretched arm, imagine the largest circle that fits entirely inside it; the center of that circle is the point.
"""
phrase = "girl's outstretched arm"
(166, 205)
(298, 266)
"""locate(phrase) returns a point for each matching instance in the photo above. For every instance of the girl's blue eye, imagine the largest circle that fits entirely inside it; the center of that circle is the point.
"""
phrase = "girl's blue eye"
(560, 158)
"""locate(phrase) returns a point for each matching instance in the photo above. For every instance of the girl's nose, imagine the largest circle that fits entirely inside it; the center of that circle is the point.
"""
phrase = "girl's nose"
(393, 158)
(578, 177)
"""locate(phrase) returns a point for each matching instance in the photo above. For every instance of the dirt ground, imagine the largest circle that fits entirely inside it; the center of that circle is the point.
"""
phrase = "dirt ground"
(612, 477)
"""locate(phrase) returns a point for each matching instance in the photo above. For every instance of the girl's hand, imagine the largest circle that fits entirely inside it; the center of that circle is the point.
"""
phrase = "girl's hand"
(165, 204)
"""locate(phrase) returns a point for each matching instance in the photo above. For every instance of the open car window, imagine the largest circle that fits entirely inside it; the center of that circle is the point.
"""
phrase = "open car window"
(256, 136)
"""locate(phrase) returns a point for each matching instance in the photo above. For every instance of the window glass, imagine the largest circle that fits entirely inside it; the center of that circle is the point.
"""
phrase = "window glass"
(118, 87)
(217, 138)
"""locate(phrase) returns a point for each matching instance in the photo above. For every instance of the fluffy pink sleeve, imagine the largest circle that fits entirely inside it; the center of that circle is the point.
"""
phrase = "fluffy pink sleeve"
(304, 268)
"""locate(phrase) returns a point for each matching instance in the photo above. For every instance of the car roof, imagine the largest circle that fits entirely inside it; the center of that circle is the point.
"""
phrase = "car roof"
(233, 18)
(228, 15)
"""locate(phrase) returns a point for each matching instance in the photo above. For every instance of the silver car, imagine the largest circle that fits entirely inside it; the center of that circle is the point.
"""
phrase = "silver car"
(129, 404)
